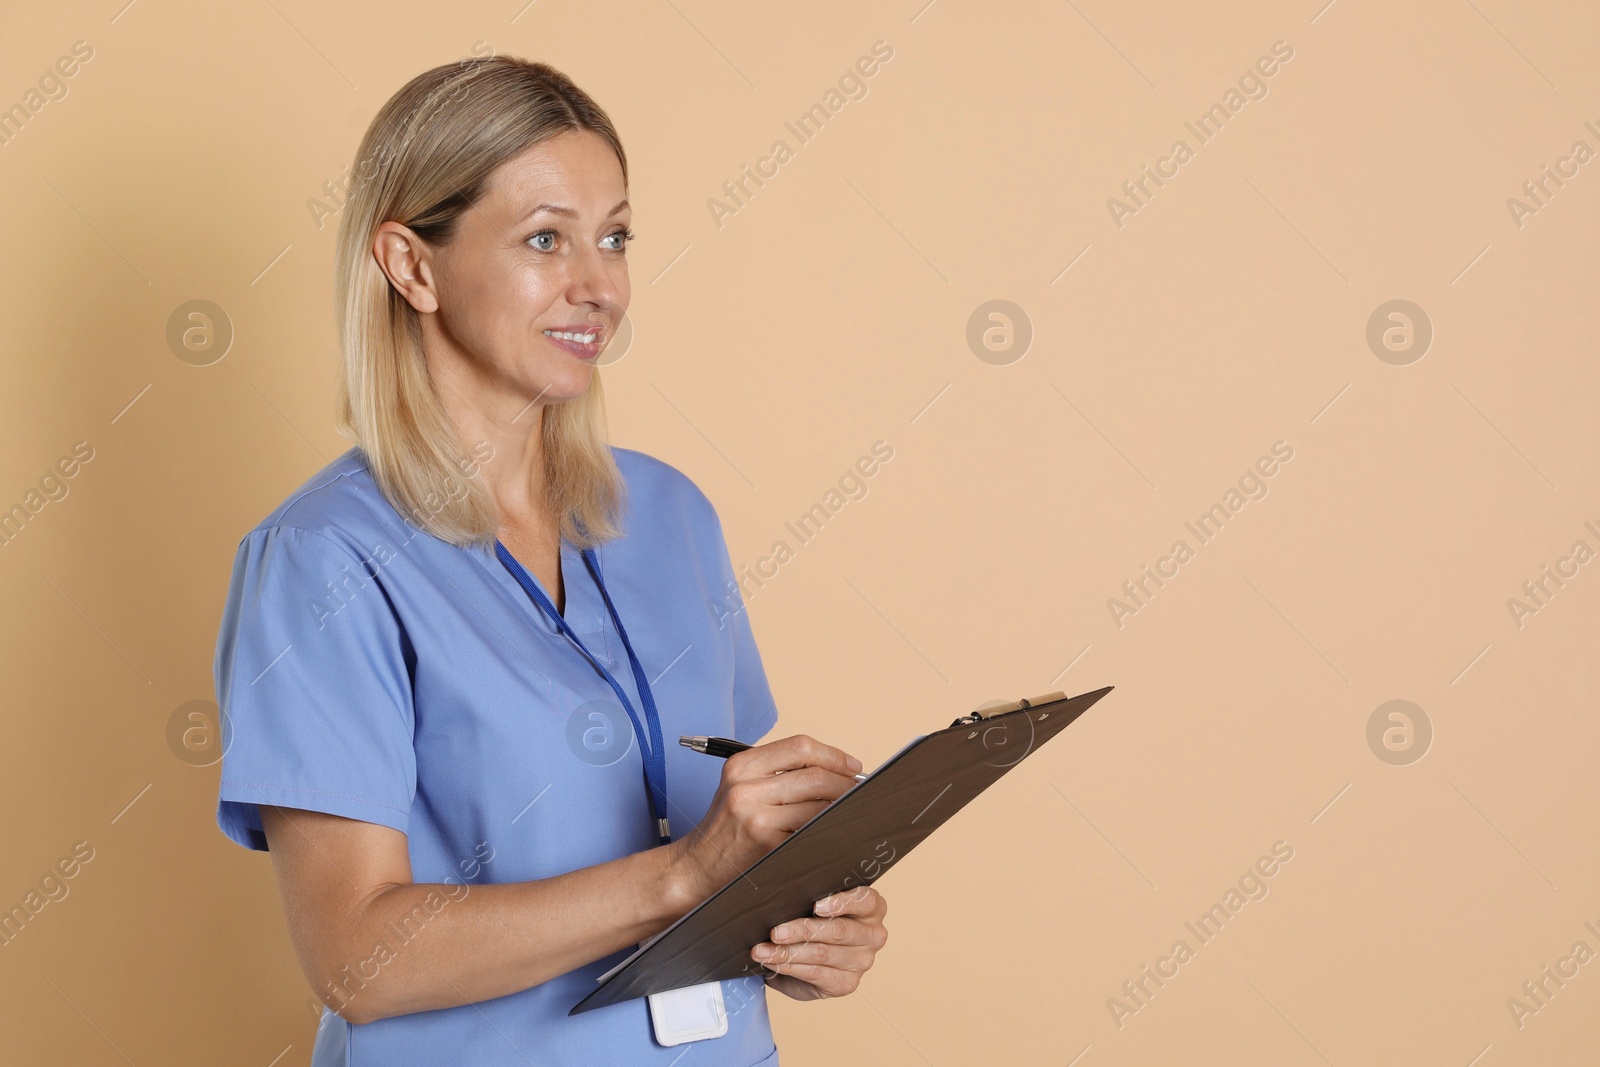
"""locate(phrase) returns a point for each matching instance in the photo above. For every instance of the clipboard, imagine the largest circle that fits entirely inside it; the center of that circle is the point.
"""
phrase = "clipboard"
(852, 842)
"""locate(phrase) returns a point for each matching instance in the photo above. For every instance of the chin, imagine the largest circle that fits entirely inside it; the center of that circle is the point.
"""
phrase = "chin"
(568, 386)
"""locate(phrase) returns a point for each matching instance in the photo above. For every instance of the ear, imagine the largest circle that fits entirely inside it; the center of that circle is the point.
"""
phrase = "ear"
(404, 259)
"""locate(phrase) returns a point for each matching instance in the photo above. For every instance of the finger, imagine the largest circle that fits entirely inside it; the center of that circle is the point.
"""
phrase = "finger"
(836, 930)
(862, 901)
(808, 783)
(815, 953)
(829, 980)
(791, 754)
(793, 787)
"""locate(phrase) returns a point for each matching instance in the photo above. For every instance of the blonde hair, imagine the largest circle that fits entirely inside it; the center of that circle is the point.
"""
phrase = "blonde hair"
(426, 159)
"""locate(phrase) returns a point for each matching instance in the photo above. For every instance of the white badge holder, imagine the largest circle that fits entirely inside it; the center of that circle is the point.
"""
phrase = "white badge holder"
(692, 1013)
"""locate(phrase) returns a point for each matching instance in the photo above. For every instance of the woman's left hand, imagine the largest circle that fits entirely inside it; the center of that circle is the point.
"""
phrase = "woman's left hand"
(816, 958)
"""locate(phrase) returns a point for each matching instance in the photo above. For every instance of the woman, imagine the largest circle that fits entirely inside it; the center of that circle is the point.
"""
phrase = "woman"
(445, 658)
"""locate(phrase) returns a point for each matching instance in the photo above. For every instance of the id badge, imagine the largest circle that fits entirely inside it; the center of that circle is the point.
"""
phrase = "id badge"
(692, 1013)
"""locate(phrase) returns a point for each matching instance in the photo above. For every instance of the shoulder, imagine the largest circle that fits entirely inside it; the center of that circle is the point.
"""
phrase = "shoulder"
(341, 503)
(657, 488)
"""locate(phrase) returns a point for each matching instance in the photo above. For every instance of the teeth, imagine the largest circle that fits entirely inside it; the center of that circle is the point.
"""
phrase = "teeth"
(586, 338)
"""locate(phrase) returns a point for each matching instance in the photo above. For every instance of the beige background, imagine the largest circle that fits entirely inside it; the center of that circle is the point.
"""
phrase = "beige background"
(830, 312)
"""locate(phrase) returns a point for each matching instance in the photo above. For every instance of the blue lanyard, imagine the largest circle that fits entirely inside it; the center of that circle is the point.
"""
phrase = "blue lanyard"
(654, 752)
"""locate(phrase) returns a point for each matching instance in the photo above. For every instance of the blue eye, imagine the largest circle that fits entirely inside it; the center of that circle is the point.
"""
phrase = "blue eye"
(622, 237)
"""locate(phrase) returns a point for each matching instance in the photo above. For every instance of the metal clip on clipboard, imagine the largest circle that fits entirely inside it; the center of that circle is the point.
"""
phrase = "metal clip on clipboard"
(1016, 705)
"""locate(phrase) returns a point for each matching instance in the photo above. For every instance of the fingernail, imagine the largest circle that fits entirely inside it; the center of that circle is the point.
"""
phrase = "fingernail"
(853, 763)
(782, 932)
(826, 905)
(762, 952)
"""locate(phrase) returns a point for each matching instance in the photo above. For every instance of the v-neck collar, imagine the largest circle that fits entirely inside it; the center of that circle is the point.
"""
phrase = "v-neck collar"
(583, 610)
(580, 599)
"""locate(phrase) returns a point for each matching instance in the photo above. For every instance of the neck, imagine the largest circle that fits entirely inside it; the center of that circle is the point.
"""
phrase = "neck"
(484, 413)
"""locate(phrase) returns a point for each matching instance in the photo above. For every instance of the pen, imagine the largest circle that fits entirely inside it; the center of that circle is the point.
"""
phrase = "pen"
(724, 747)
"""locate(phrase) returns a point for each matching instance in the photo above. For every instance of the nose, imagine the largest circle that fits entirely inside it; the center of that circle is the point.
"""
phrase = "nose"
(596, 281)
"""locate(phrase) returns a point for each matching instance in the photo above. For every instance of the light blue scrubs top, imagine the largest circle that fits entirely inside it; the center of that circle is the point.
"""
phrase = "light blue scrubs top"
(368, 669)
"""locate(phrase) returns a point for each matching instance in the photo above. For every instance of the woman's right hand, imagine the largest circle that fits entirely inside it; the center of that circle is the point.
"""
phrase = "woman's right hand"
(756, 807)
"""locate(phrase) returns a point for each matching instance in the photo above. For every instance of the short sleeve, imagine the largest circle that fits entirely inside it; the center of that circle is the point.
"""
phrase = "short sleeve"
(754, 710)
(314, 685)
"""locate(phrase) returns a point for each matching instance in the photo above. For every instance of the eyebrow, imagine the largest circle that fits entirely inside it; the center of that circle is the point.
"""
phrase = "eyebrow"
(557, 209)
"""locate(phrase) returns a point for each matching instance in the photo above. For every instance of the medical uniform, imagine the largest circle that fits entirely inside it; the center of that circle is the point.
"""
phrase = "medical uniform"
(367, 669)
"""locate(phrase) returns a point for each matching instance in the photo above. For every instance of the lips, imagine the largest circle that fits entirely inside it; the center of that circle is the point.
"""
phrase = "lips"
(583, 350)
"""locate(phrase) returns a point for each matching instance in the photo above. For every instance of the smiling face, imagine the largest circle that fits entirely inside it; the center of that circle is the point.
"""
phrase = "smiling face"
(542, 252)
